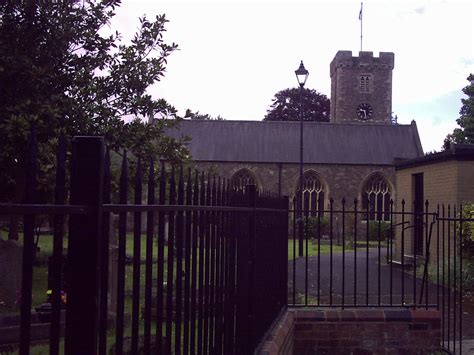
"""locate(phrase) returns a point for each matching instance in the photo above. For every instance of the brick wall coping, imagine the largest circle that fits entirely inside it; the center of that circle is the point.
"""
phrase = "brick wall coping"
(366, 315)
(279, 336)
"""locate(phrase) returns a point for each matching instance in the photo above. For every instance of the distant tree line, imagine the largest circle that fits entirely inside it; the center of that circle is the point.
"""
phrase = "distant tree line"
(205, 117)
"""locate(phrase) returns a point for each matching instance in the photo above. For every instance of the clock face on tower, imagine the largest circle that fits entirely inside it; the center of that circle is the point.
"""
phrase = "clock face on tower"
(364, 111)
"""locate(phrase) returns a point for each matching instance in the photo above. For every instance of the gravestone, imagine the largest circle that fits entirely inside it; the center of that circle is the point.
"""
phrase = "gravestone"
(10, 273)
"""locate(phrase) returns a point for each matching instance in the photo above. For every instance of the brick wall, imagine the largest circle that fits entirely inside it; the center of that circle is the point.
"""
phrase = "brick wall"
(445, 182)
(440, 183)
(361, 331)
(280, 338)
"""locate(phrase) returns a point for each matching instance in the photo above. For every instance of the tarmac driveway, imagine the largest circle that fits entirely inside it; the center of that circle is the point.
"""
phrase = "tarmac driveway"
(377, 283)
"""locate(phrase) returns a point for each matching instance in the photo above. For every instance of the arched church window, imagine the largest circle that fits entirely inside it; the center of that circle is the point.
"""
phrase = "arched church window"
(313, 193)
(242, 178)
(376, 196)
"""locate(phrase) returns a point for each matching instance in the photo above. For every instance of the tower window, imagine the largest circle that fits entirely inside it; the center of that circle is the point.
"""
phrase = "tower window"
(365, 83)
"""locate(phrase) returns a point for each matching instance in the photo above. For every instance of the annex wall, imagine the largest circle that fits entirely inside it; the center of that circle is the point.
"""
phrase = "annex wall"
(448, 182)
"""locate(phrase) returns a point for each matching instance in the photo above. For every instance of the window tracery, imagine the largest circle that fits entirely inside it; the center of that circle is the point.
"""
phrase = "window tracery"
(242, 178)
(313, 193)
(376, 197)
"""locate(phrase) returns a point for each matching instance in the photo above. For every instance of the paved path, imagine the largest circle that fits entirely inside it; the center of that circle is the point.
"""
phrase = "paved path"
(383, 280)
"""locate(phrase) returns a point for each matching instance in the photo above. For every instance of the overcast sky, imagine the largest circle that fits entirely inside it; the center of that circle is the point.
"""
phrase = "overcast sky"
(235, 55)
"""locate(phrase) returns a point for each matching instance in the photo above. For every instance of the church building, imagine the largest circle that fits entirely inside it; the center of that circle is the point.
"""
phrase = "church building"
(352, 156)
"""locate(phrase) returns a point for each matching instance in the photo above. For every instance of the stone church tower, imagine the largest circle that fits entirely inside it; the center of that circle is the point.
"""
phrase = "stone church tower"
(361, 87)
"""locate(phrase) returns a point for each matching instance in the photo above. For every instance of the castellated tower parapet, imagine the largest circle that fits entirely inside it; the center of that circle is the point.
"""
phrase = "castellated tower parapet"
(361, 87)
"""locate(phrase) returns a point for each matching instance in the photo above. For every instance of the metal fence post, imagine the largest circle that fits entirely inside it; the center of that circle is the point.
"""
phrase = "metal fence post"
(252, 244)
(84, 246)
(28, 244)
(285, 201)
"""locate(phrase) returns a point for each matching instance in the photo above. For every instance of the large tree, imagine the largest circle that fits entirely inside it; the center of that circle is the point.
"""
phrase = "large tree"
(465, 134)
(62, 72)
(287, 103)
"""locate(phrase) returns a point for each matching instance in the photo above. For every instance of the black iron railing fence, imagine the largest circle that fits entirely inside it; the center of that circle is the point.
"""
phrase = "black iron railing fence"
(355, 257)
(202, 268)
(208, 265)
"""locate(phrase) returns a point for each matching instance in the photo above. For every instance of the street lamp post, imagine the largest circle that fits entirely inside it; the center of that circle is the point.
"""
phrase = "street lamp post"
(301, 76)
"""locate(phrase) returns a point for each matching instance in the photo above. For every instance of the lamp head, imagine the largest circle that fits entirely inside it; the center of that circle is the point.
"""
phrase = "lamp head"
(301, 74)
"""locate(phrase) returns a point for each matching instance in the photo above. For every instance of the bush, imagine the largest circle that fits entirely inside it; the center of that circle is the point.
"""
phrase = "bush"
(313, 224)
(374, 230)
(467, 273)
(467, 230)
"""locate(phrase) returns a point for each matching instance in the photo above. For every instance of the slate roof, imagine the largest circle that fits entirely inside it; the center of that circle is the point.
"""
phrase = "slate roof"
(278, 142)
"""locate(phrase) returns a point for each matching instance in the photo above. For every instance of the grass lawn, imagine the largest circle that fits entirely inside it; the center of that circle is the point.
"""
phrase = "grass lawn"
(40, 277)
(326, 248)
(40, 270)
(312, 248)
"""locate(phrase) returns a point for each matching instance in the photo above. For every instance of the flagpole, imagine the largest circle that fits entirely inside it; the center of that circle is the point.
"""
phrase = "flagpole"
(360, 18)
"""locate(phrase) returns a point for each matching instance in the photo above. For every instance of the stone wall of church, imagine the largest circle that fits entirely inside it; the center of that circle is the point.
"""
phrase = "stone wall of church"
(340, 181)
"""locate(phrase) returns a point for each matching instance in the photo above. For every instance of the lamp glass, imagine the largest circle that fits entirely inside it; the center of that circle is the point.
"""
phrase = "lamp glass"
(301, 74)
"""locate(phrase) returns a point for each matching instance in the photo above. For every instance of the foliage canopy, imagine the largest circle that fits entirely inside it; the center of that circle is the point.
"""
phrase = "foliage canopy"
(287, 103)
(63, 71)
(465, 134)
(197, 116)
